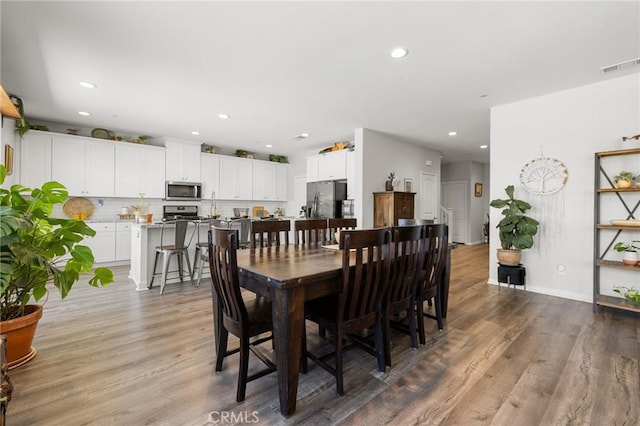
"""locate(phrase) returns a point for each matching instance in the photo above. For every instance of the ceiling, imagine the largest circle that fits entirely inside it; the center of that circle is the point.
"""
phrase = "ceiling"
(281, 69)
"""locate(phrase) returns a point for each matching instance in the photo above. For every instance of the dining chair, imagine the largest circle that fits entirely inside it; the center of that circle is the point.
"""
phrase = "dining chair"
(435, 259)
(243, 320)
(407, 255)
(202, 248)
(366, 264)
(310, 231)
(178, 247)
(269, 233)
(340, 223)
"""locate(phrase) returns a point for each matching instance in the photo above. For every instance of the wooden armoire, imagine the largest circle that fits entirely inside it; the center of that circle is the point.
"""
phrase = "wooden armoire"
(390, 206)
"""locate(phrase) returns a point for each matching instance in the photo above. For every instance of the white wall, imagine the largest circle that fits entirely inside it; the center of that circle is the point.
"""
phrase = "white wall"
(379, 154)
(570, 126)
(8, 137)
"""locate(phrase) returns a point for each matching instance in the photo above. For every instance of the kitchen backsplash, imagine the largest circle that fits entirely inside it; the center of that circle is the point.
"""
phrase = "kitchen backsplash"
(111, 207)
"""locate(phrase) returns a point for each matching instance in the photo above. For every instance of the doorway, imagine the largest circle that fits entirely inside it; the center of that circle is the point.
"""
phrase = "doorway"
(454, 197)
(429, 196)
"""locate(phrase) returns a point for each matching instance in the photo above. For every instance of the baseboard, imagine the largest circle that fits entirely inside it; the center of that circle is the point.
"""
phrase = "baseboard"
(551, 292)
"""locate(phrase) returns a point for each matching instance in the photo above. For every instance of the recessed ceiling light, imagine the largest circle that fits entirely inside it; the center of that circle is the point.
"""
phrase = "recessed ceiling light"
(223, 116)
(88, 85)
(269, 145)
(399, 52)
(195, 133)
(304, 135)
(86, 114)
(453, 133)
(484, 146)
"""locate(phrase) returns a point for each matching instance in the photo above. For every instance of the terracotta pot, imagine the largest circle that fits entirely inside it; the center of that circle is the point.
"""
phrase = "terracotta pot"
(20, 332)
(630, 258)
(509, 257)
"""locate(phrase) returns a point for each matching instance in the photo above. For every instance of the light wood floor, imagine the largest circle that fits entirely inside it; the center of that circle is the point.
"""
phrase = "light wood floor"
(117, 356)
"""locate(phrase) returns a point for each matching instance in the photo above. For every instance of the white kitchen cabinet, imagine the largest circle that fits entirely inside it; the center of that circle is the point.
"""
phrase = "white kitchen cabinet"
(312, 168)
(351, 175)
(182, 161)
(264, 180)
(139, 171)
(236, 178)
(85, 166)
(35, 158)
(210, 176)
(282, 175)
(103, 244)
(123, 241)
(332, 165)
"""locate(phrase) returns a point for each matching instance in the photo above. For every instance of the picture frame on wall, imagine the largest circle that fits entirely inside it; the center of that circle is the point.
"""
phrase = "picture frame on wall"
(8, 159)
(478, 190)
(408, 185)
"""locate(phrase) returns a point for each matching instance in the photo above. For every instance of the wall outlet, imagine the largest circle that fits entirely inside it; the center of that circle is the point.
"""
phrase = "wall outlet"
(561, 269)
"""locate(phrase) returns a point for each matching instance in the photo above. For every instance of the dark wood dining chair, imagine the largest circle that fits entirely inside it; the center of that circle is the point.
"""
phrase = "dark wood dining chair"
(435, 259)
(407, 256)
(309, 231)
(340, 223)
(269, 233)
(242, 320)
(366, 264)
(202, 247)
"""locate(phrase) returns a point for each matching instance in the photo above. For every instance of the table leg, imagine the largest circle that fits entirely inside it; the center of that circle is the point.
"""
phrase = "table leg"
(288, 317)
(444, 285)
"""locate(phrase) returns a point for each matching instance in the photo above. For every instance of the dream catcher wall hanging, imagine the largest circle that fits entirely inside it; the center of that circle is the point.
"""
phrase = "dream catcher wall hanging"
(544, 178)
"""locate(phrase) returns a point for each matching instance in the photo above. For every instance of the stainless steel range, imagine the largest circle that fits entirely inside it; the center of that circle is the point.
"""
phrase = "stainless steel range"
(179, 212)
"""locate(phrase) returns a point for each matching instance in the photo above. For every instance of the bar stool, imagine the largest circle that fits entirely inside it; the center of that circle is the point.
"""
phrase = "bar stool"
(178, 248)
(202, 248)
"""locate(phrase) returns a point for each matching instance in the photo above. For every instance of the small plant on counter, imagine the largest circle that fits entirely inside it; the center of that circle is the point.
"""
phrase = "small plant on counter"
(631, 295)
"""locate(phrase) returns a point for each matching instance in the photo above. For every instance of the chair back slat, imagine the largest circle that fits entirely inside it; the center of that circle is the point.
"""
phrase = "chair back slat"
(408, 252)
(365, 271)
(309, 231)
(223, 244)
(269, 233)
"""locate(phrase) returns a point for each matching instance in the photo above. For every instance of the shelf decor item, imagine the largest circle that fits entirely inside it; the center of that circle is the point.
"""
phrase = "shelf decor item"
(631, 295)
(388, 185)
(516, 229)
(623, 179)
(629, 252)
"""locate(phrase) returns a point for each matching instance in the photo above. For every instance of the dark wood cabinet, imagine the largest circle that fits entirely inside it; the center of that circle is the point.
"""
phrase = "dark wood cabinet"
(390, 206)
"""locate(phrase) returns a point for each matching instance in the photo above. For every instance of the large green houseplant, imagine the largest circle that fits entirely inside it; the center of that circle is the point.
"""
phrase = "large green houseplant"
(32, 245)
(516, 230)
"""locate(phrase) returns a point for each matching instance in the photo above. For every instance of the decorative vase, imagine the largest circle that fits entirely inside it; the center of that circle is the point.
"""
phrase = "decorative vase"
(623, 184)
(630, 258)
(20, 332)
(388, 185)
(509, 257)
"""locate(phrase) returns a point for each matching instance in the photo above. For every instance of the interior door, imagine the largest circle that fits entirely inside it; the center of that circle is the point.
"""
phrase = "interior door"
(428, 196)
(454, 197)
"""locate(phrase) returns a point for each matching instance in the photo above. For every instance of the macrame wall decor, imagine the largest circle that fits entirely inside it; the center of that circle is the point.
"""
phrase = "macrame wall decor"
(544, 178)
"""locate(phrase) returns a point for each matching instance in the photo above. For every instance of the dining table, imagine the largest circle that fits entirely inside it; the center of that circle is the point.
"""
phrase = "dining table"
(288, 276)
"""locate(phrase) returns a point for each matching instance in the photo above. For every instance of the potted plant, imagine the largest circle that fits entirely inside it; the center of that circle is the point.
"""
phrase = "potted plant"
(623, 179)
(629, 252)
(31, 246)
(516, 229)
(631, 295)
(389, 183)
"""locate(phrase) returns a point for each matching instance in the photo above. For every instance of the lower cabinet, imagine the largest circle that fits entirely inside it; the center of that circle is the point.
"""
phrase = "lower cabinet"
(123, 241)
(390, 206)
(103, 244)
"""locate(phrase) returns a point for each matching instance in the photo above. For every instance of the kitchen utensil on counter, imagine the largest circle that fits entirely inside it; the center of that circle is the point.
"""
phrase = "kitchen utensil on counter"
(78, 208)
(241, 212)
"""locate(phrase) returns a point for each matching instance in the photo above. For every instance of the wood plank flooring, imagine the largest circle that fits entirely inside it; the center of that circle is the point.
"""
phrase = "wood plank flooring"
(117, 356)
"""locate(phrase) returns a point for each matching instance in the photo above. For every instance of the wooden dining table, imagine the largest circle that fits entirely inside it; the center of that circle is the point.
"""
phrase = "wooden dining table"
(288, 276)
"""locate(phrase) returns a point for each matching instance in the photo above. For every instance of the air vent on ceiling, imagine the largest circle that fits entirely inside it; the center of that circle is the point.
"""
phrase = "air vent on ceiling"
(621, 65)
(300, 136)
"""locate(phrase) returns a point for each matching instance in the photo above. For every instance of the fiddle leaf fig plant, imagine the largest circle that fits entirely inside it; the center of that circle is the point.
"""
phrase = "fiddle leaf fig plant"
(32, 245)
(516, 229)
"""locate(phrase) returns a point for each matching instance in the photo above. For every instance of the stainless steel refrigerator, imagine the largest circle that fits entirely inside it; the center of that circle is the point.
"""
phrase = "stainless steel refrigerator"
(324, 199)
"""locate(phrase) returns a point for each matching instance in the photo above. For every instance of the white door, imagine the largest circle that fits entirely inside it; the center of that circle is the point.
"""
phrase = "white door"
(454, 197)
(428, 196)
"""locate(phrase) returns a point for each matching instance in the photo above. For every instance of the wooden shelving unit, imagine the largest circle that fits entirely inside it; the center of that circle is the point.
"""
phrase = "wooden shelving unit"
(601, 229)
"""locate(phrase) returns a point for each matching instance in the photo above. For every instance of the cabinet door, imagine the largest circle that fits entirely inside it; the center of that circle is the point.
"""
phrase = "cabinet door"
(228, 168)
(130, 171)
(264, 180)
(123, 241)
(192, 171)
(174, 161)
(103, 244)
(154, 172)
(210, 176)
(99, 169)
(333, 165)
(68, 163)
(312, 168)
(282, 173)
(35, 159)
(244, 179)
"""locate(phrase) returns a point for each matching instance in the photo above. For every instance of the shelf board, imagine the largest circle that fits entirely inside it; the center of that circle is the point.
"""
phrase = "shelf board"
(615, 264)
(6, 106)
(619, 190)
(615, 302)
(615, 227)
(619, 152)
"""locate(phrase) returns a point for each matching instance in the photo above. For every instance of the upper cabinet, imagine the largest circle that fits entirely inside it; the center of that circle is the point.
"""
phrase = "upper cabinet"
(264, 180)
(139, 171)
(210, 176)
(85, 166)
(35, 158)
(182, 161)
(329, 166)
(236, 178)
(282, 176)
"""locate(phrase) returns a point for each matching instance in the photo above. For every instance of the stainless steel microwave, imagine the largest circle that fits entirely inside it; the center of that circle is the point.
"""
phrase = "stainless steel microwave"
(183, 191)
